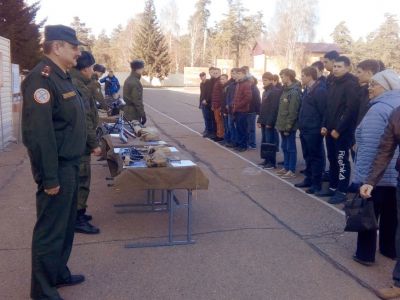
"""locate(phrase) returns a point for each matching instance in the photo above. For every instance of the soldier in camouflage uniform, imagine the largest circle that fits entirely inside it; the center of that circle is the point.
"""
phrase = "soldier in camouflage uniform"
(82, 79)
(133, 94)
(95, 85)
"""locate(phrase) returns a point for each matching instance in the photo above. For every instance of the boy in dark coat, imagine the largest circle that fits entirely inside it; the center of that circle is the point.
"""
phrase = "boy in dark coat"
(338, 127)
(268, 115)
(311, 115)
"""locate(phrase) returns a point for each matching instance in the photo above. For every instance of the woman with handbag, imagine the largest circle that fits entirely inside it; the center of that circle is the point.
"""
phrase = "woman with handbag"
(384, 91)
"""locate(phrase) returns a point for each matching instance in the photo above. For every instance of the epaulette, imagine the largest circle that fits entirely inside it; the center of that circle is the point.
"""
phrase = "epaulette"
(46, 71)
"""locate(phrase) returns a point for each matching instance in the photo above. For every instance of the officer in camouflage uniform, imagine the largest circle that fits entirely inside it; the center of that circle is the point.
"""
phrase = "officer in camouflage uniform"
(133, 94)
(82, 79)
(54, 133)
(95, 85)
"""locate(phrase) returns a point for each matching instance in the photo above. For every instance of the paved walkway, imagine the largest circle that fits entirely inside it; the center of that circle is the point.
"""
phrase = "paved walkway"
(257, 236)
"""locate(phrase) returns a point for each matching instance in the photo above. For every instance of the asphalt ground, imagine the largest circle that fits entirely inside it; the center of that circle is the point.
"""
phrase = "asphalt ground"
(257, 237)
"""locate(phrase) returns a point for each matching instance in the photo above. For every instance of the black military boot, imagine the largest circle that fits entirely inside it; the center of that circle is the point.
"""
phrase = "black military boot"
(86, 216)
(83, 226)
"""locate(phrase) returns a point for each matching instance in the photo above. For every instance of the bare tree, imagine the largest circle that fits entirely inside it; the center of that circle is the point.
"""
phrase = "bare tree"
(294, 21)
(170, 27)
(197, 29)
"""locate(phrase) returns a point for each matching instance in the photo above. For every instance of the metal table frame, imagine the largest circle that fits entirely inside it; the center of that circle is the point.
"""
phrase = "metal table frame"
(171, 204)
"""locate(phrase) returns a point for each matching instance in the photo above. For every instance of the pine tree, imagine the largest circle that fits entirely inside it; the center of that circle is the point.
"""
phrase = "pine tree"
(341, 36)
(150, 45)
(235, 34)
(83, 33)
(17, 23)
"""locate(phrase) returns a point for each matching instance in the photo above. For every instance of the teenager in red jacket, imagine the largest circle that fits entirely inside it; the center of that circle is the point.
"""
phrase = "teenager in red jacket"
(241, 107)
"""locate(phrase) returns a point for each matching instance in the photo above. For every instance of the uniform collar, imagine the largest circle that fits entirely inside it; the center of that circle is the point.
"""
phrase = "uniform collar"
(78, 75)
(54, 68)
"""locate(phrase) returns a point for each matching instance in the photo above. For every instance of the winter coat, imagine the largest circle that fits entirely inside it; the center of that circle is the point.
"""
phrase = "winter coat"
(269, 106)
(202, 93)
(111, 85)
(368, 136)
(208, 89)
(243, 96)
(133, 96)
(322, 80)
(364, 103)
(389, 142)
(342, 104)
(230, 94)
(312, 108)
(255, 100)
(217, 95)
(289, 105)
(95, 87)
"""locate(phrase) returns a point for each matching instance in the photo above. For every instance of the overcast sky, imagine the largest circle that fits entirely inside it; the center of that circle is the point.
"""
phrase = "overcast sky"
(361, 17)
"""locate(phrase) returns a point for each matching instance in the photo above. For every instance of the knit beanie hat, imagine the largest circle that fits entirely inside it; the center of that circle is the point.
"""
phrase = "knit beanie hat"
(388, 78)
(137, 64)
(85, 60)
(99, 68)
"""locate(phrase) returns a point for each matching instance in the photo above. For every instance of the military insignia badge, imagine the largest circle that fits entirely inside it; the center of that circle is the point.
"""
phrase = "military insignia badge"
(41, 96)
(46, 71)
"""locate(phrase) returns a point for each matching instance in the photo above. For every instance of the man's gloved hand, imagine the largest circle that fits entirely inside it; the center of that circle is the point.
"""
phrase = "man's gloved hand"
(143, 120)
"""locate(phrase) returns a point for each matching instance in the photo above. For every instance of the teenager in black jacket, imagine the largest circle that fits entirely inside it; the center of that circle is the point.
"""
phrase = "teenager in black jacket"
(338, 127)
(311, 116)
(268, 115)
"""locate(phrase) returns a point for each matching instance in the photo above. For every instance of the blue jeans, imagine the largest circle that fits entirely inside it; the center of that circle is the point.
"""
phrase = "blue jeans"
(230, 130)
(289, 149)
(241, 129)
(251, 129)
(209, 121)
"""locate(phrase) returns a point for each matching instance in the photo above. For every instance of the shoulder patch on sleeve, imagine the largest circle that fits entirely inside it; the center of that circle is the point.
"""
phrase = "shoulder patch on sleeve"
(46, 71)
(41, 96)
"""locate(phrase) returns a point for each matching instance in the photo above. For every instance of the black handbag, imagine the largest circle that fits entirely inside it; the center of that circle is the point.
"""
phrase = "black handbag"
(360, 215)
(268, 151)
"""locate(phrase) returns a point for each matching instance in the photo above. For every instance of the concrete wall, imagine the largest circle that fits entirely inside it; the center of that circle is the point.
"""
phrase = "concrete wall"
(6, 114)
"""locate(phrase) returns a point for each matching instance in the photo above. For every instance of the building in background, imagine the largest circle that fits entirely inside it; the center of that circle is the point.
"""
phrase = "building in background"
(266, 59)
(6, 114)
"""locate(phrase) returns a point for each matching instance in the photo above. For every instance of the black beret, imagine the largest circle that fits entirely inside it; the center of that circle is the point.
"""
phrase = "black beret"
(85, 60)
(61, 33)
(99, 68)
(137, 64)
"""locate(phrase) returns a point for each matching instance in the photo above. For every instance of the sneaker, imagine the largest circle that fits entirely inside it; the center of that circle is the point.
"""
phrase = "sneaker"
(269, 167)
(240, 149)
(281, 171)
(229, 145)
(252, 148)
(326, 193)
(288, 175)
(304, 184)
(312, 191)
(338, 198)
(362, 262)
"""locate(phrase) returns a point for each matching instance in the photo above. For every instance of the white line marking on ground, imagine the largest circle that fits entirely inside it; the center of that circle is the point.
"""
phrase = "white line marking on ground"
(250, 162)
